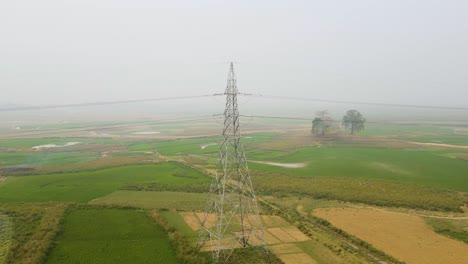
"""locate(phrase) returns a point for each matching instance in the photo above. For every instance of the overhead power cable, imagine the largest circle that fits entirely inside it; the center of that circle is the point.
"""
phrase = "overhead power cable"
(338, 121)
(41, 107)
(292, 98)
(46, 132)
(276, 97)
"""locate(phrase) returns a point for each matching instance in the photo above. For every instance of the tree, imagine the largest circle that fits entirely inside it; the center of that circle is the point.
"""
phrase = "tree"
(354, 121)
(316, 126)
(321, 124)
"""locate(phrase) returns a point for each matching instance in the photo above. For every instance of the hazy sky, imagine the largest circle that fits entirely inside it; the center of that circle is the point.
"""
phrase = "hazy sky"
(398, 51)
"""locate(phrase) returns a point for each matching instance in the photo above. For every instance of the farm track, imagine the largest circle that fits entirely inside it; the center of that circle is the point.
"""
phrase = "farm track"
(463, 217)
(438, 145)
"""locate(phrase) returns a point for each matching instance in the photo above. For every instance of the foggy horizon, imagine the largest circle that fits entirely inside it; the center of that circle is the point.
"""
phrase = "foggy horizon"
(56, 52)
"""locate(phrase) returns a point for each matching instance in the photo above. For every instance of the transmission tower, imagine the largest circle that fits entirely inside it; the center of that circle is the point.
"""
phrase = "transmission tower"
(231, 218)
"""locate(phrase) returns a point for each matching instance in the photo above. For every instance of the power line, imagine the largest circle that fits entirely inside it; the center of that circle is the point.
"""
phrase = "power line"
(337, 121)
(41, 107)
(93, 128)
(292, 98)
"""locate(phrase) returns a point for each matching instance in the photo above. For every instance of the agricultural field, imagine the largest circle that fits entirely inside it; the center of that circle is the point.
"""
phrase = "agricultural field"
(111, 236)
(385, 229)
(150, 200)
(129, 194)
(86, 186)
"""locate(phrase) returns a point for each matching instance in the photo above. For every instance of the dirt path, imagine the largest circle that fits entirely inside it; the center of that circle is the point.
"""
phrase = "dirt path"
(443, 217)
(438, 145)
(415, 214)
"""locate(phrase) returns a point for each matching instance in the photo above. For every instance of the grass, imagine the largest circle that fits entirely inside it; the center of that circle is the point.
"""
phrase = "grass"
(6, 234)
(147, 199)
(176, 147)
(178, 222)
(44, 158)
(111, 236)
(395, 130)
(397, 165)
(456, 229)
(85, 186)
(33, 230)
(323, 254)
(375, 192)
(31, 142)
(193, 145)
(130, 154)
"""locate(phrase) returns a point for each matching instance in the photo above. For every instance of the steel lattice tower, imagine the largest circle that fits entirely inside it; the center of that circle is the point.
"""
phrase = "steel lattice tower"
(231, 218)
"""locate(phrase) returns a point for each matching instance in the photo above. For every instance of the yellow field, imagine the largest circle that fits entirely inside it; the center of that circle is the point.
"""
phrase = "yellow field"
(406, 237)
(279, 235)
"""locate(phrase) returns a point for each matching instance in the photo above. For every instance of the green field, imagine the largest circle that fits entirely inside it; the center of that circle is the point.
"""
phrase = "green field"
(399, 130)
(149, 200)
(399, 165)
(111, 236)
(453, 228)
(96, 182)
(6, 233)
(194, 145)
(178, 222)
(44, 158)
(176, 147)
(85, 186)
(31, 142)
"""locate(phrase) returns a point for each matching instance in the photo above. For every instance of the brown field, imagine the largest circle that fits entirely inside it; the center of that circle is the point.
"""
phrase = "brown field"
(406, 237)
(192, 220)
(210, 221)
(271, 239)
(295, 233)
(281, 235)
(273, 221)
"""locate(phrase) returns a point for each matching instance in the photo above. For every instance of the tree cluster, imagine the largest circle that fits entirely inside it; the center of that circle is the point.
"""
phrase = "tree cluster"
(323, 124)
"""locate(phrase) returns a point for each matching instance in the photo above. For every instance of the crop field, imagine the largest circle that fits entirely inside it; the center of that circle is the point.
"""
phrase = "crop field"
(85, 186)
(45, 158)
(6, 233)
(151, 200)
(279, 234)
(111, 236)
(415, 166)
(28, 143)
(100, 196)
(385, 230)
(456, 228)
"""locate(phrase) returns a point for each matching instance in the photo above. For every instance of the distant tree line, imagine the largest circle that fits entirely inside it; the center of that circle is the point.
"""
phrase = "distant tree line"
(322, 124)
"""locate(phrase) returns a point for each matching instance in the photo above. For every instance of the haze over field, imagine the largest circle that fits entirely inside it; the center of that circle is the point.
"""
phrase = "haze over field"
(412, 52)
(317, 132)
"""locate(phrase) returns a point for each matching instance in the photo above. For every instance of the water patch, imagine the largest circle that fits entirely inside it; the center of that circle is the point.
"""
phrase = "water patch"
(204, 146)
(47, 146)
(284, 165)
